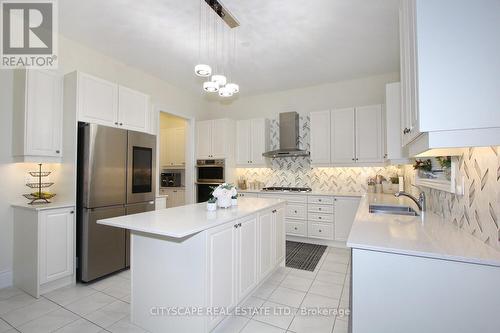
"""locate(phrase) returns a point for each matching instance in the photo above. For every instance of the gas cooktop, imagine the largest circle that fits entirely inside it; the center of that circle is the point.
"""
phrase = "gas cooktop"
(286, 189)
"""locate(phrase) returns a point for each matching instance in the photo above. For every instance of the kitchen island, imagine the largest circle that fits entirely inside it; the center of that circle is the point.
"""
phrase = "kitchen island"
(420, 273)
(190, 267)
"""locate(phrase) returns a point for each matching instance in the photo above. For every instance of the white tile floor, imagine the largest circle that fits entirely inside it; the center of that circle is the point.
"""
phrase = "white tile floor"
(104, 306)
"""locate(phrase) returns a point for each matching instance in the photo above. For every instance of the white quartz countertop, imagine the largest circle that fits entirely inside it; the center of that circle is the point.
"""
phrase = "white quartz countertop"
(182, 221)
(425, 236)
(44, 206)
(325, 193)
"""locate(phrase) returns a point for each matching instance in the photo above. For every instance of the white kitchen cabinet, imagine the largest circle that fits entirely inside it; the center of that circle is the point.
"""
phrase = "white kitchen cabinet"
(234, 251)
(98, 101)
(44, 248)
(37, 118)
(449, 86)
(176, 196)
(396, 153)
(243, 142)
(215, 139)
(247, 255)
(279, 233)
(320, 137)
(345, 212)
(173, 147)
(357, 136)
(222, 268)
(343, 144)
(266, 241)
(410, 126)
(369, 134)
(133, 110)
(252, 140)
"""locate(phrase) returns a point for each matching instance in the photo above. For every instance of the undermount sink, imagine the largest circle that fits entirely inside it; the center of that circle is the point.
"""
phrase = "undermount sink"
(393, 210)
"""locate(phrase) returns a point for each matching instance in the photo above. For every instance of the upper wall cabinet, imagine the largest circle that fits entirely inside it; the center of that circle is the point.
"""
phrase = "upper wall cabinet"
(320, 137)
(252, 140)
(215, 139)
(106, 103)
(396, 153)
(348, 137)
(133, 109)
(449, 73)
(38, 116)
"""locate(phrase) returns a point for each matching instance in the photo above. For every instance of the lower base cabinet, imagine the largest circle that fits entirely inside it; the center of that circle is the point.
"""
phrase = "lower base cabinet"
(317, 217)
(176, 196)
(44, 248)
(240, 255)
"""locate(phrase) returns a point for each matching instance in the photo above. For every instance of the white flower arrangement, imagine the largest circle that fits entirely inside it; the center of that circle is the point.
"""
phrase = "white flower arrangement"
(223, 193)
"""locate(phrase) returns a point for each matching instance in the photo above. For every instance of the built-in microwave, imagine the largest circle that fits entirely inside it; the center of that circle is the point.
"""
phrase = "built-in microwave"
(210, 171)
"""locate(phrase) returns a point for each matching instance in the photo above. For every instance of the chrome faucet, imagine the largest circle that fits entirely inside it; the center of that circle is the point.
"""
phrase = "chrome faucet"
(420, 201)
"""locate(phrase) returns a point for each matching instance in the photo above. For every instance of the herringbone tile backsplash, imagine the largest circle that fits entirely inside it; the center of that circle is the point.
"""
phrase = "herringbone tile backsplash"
(478, 210)
(297, 171)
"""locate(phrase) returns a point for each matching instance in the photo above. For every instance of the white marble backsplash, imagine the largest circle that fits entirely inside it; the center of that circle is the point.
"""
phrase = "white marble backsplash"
(478, 210)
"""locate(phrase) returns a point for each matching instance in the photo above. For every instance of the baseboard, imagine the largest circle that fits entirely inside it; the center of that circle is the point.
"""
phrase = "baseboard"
(5, 279)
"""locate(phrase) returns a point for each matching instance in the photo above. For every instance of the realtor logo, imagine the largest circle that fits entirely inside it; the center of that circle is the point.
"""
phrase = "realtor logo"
(29, 34)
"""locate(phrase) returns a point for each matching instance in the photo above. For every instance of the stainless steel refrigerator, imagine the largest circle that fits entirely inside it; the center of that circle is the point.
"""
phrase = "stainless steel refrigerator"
(116, 177)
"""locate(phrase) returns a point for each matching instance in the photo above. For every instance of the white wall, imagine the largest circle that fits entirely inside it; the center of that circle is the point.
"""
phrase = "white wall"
(365, 91)
(73, 56)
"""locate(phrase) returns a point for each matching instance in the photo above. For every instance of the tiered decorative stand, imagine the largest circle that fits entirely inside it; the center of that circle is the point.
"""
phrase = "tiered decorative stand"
(39, 197)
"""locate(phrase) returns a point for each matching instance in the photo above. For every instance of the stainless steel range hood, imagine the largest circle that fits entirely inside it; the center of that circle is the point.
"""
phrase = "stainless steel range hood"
(289, 137)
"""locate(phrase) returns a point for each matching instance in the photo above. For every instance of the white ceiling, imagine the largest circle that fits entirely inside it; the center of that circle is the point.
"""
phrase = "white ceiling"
(284, 44)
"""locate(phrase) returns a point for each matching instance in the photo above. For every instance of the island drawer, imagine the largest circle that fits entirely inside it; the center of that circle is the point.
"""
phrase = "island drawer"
(320, 230)
(321, 217)
(320, 200)
(296, 211)
(296, 228)
(324, 209)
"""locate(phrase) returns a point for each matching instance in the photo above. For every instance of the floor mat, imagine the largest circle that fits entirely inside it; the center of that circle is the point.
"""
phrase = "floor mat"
(302, 255)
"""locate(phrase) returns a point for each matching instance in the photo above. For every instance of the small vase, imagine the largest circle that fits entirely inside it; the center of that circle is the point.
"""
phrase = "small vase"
(211, 206)
(224, 202)
(234, 202)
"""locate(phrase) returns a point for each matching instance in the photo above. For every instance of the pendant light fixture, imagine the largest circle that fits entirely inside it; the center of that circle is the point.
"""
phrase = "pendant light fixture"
(211, 86)
(212, 39)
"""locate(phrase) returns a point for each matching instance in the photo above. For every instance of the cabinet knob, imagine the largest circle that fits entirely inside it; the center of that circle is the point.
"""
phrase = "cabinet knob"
(295, 211)
(235, 226)
(319, 230)
(354, 159)
(239, 224)
(319, 217)
(121, 124)
(295, 228)
(116, 123)
(319, 208)
(319, 201)
(58, 151)
(72, 212)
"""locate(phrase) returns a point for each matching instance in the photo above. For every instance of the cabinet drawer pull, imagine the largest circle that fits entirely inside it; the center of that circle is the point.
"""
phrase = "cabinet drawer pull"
(319, 217)
(295, 228)
(319, 230)
(319, 208)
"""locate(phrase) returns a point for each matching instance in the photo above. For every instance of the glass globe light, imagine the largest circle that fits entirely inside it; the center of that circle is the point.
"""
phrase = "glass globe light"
(225, 92)
(233, 87)
(220, 79)
(210, 86)
(203, 70)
